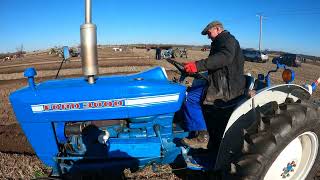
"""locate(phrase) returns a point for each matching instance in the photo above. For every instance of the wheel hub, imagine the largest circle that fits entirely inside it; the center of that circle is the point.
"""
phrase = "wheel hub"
(296, 159)
(290, 168)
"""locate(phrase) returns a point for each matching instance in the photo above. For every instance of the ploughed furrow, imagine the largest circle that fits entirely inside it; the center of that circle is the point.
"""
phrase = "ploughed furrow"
(12, 140)
(75, 63)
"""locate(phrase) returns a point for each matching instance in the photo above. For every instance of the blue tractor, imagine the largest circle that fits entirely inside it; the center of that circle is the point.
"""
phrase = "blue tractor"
(105, 124)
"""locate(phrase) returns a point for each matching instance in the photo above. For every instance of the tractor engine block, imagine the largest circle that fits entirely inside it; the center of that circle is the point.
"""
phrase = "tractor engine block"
(137, 137)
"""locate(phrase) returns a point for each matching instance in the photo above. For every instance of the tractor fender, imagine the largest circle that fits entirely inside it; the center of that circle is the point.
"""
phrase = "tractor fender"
(276, 93)
(241, 117)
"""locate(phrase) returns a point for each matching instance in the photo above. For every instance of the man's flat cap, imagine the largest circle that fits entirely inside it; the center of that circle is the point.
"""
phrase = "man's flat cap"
(210, 25)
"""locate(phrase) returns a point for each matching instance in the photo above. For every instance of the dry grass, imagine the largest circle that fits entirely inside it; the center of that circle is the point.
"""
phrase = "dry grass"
(19, 166)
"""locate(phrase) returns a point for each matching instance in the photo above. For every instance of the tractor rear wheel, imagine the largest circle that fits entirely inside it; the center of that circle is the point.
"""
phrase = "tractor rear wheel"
(281, 144)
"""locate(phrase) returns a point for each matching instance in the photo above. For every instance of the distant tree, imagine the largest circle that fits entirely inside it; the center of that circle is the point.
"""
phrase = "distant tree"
(19, 53)
(19, 49)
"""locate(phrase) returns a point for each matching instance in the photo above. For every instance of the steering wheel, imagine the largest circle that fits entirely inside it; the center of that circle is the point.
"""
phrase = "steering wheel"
(183, 72)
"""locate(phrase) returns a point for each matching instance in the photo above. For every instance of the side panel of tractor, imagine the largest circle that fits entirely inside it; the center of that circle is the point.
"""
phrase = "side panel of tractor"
(134, 112)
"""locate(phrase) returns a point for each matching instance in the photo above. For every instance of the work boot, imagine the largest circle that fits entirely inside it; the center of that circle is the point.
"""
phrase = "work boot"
(201, 140)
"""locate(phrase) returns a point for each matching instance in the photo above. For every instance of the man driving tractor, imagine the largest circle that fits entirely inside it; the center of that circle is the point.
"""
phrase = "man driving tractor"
(225, 81)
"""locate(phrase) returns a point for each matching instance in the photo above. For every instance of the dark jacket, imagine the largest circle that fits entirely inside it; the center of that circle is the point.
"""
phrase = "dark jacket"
(225, 69)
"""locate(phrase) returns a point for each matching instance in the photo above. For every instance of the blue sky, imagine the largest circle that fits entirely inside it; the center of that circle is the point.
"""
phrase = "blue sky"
(290, 25)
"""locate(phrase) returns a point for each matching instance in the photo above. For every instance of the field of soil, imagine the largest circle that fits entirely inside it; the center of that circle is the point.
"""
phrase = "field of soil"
(17, 158)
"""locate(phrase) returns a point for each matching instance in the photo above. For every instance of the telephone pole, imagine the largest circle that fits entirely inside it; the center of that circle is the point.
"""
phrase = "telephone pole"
(260, 34)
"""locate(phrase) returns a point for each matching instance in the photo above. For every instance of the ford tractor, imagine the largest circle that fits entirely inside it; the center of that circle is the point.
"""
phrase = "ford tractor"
(99, 125)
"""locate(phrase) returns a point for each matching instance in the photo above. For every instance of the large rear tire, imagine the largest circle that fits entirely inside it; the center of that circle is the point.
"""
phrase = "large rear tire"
(281, 144)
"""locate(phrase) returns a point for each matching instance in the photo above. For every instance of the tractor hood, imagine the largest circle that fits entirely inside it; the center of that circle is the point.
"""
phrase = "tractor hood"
(111, 97)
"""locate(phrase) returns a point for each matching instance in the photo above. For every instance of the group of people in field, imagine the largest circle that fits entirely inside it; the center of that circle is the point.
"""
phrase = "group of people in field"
(170, 53)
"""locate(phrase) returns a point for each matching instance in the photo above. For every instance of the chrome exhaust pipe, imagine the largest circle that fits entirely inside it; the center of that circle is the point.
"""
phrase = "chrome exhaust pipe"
(89, 55)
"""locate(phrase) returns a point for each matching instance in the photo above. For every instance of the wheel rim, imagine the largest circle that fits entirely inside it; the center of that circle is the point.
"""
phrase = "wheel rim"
(296, 160)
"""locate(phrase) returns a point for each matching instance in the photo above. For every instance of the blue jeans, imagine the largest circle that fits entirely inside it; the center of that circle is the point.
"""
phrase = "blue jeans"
(193, 116)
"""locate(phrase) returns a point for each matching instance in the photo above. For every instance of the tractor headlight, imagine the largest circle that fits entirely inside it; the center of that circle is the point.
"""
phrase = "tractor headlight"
(288, 75)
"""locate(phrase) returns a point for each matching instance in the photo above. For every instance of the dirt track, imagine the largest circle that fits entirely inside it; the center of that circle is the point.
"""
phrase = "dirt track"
(13, 144)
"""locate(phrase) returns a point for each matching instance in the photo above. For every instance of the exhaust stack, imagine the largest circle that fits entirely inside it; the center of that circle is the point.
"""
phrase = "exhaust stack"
(89, 56)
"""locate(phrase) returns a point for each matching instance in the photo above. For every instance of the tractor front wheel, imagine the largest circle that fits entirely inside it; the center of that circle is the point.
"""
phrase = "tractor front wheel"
(283, 143)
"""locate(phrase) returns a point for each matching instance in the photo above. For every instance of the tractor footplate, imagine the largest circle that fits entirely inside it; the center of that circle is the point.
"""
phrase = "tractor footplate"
(191, 162)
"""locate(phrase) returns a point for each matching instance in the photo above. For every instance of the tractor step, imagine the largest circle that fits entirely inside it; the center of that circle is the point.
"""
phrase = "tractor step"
(198, 163)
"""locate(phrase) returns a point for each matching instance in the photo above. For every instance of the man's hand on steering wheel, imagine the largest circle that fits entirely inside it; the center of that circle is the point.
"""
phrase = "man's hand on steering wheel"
(190, 67)
(187, 69)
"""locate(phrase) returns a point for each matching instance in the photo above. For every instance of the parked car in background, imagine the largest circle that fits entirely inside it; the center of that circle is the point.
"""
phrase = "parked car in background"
(293, 60)
(255, 56)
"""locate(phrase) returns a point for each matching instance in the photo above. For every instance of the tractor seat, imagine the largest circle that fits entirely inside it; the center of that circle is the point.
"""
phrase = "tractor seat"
(248, 93)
